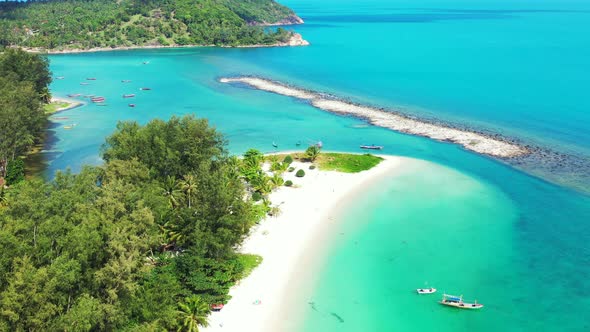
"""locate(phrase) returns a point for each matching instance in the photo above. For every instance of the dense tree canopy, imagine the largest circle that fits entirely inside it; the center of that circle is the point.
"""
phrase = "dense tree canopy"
(24, 80)
(145, 242)
(67, 24)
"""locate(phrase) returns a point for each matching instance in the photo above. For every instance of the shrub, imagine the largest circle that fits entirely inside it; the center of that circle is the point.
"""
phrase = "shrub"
(288, 159)
(288, 183)
(300, 173)
(311, 166)
(15, 171)
(256, 196)
(291, 169)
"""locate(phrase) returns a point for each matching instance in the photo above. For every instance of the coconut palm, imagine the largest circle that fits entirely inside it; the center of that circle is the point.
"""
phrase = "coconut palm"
(171, 190)
(193, 313)
(312, 152)
(189, 186)
(277, 180)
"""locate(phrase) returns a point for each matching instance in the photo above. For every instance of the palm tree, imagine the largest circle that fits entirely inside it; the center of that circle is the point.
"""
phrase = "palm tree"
(193, 313)
(277, 180)
(312, 152)
(189, 186)
(171, 189)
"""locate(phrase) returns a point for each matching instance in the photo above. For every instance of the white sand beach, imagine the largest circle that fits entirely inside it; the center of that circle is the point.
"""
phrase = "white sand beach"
(470, 140)
(290, 241)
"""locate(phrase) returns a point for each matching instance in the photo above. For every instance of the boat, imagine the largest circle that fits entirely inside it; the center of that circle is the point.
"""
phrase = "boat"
(68, 127)
(97, 99)
(319, 144)
(102, 104)
(74, 95)
(145, 89)
(146, 62)
(84, 83)
(275, 145)
(216, 307)
(298, 143)
(131, 105)
(371, 147)
(125, 81)
(91, 79)
(59, 118)
(457, 302)
(131, 95)
(426, 290)
(59, 78)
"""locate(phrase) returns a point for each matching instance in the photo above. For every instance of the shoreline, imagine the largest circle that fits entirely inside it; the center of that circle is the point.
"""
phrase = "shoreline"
(295, 40)
(71, 104)
(307, 217)
(471, 140)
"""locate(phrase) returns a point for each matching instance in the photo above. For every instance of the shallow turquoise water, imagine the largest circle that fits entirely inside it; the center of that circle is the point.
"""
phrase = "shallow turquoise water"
(514, 242)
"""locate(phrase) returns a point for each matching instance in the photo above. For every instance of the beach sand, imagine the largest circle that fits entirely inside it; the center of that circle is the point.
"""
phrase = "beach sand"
(290, 242)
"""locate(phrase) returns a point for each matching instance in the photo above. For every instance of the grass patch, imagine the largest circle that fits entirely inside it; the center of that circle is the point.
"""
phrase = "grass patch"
(54, 106)
(341, 162)
(249, 262)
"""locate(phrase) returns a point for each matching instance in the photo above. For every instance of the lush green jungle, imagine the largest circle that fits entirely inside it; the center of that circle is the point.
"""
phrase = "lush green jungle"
(85, 24)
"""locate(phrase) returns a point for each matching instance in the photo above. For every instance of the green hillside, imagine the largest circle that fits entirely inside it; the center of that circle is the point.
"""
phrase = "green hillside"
(70, 24)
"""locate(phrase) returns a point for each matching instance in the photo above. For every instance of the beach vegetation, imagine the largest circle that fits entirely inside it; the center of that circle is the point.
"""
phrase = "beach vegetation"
(300, 173)
(277, 180)
(54, 106)
(288, 159)
(256, 196)
(291, 169)
(311, 166)
(147, 241)
(312, 152)
(249, 262)
(86, 24)
(193, 312)
(24, 80)
(288, 183)
(347, 163)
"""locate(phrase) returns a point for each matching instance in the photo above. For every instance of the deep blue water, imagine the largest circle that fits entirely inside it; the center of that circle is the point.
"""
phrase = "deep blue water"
(518, 68)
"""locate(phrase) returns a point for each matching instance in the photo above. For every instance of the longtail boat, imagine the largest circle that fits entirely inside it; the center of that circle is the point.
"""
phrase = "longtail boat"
(457, 302)
(426, 290)
(131, 95)
(371, 147)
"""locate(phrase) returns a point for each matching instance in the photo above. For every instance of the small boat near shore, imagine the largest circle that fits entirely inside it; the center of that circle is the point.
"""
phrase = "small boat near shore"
(372, 147)
(74, 95)
(125, 81)
(457, 302)
(131, 95)
(426, 290)
(145, 89)
(59, 118)
(91, 78)
(97, 99)
(84, 83)
(102, 104)
(131, 105)
(59, 78)
(275, 145)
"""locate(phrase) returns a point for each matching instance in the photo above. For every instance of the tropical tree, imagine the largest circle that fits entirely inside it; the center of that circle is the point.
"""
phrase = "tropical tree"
(277, 180)
(189, 187)
(193, 312)
(171, 189)
(312, 152)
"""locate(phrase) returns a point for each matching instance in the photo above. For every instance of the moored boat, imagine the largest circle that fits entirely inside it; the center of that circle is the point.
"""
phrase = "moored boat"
(91, 78)
(145, 89)
(59, 78)
(74, 95)
(216, 307)
(426, 290)
(275, 145)
(125, 81)
(131, 95)
(97, 99)
(457, 302)
(131, 105)
(84, 83)
(102, 104)
(371, 147)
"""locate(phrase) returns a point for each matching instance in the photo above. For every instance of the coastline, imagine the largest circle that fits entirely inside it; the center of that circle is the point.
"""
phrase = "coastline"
(295, 40)
(71, 104)
(290, 242)
(469, 139)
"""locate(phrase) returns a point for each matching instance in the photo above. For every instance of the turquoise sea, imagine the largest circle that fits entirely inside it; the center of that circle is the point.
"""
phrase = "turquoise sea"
(463, 223)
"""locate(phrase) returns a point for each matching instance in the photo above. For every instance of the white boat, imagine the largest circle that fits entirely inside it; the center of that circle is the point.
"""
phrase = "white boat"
(426, 290)
(457, 302)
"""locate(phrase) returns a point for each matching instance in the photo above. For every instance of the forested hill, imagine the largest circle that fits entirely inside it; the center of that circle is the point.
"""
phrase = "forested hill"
(85, 24)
